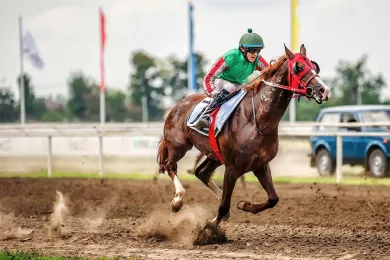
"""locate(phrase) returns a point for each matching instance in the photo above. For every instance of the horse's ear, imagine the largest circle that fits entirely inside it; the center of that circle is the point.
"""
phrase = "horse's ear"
(288, 52)
(303, 50)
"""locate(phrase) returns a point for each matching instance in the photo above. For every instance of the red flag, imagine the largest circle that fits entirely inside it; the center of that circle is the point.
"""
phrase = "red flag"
(102, 46)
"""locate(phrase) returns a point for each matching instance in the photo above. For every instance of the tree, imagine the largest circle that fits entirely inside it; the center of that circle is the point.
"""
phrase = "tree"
(34, 107)
(145, 80)
(177, 80)
(92, 101)
(52, 116)
(78, 89)
(7, 106)
(39, 108)
(116, 106)
(354, 77)
(84, 101)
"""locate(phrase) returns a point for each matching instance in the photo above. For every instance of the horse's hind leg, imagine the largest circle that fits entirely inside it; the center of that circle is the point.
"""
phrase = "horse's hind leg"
(168, 156)
(203, 172)
(263, 174)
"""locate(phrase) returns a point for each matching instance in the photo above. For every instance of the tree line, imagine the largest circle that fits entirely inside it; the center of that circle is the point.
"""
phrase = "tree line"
(162, 80)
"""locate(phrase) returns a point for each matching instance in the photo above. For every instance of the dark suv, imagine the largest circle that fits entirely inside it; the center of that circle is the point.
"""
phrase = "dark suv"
(372, 152)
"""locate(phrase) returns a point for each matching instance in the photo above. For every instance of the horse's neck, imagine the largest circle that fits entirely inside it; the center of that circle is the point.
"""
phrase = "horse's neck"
(271, 102)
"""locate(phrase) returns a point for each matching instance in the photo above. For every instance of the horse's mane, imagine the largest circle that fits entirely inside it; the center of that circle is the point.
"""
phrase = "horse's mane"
(266, 73)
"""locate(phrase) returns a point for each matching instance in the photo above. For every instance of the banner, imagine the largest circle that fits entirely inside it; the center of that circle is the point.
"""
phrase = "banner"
(30, 49)
(102, 46)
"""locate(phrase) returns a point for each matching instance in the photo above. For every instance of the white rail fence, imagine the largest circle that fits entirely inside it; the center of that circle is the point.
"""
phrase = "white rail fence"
(299, 129)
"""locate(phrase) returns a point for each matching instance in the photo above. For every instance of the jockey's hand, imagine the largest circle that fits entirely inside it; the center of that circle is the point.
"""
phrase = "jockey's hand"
(255, 74)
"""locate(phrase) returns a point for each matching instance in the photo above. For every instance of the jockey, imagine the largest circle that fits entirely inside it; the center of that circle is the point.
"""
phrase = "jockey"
(232, 70)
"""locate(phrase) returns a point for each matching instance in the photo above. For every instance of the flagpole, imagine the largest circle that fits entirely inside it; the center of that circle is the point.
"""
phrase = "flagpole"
(294, 49)
(102, 88)
(102, 69)
(191, 58)
(21, 85)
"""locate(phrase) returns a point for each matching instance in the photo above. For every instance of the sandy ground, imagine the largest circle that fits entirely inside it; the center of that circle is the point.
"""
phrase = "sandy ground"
(124, 218)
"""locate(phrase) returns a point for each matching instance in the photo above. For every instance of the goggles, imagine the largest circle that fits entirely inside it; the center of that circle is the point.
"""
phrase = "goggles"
(253, 50)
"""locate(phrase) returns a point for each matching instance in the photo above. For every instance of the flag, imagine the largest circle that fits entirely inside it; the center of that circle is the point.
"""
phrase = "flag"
(30, 49)
(192, 64)
(103, 37)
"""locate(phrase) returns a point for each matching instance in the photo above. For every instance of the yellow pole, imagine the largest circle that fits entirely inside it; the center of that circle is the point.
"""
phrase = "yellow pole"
(294, 26)
(294, 49)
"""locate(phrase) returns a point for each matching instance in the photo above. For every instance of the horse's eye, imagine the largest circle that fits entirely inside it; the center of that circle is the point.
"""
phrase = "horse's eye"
(300, 68)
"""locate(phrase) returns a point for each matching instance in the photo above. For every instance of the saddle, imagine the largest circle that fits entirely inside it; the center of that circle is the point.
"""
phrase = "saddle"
(225, 104)
(219, 99)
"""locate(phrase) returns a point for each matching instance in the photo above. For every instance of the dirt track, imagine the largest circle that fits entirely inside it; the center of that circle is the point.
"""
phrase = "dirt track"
(133, 218)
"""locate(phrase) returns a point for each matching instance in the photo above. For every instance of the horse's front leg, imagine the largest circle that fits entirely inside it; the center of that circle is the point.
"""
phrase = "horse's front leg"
(229, 181)
(263, 174)
(203, 172)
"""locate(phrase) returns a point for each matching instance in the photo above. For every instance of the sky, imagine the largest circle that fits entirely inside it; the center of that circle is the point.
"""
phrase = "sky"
(67, 34)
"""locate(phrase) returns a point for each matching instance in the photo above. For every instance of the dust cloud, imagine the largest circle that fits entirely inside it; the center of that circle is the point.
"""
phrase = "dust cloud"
(188, 226)
(10, 229)
(59, 214)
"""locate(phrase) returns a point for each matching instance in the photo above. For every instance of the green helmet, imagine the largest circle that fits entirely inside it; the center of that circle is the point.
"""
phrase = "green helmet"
(251, 39)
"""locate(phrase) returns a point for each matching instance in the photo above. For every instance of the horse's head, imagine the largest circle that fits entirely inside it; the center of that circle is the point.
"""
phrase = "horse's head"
(303, 76)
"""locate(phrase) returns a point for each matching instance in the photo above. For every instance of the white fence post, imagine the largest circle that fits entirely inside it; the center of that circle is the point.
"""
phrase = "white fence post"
(339, 158)
(101, 156)
(49, 156)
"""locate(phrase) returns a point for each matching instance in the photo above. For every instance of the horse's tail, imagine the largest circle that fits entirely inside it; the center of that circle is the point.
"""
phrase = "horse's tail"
(162, 155)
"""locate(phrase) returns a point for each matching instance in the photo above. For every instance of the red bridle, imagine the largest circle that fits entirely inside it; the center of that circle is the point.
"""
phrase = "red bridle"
(295, 79)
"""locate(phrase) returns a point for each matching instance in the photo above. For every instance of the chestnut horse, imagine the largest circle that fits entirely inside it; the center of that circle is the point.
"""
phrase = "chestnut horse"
(249, 139)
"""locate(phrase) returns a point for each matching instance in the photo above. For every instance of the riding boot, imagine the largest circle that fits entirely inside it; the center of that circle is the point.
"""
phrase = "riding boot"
(204, 121)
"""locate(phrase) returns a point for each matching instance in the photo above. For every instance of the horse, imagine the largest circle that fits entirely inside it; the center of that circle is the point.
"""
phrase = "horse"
(197, 160)
(249, 139)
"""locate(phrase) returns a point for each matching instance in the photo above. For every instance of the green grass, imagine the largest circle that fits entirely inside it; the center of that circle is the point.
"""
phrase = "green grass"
(347, 180)
(18, 255)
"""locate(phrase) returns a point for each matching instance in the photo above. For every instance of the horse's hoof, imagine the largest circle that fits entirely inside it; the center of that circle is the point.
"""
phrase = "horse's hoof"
(243, 205)
(226, 217)
(176, 203)
(211, 225)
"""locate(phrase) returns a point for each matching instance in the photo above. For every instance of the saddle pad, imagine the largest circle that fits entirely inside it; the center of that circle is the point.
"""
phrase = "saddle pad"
(223, 114)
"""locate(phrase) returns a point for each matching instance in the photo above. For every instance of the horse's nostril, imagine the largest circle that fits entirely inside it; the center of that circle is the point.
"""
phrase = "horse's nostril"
(322, 90)
(309, 92)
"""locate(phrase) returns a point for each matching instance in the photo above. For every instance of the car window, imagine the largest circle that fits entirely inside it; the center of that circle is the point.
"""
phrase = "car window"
(375, 116)
(329, 118)
(349, 118)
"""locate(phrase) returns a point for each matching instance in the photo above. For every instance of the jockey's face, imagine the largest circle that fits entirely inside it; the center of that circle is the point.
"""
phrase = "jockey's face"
(251, 57)
(251, 53)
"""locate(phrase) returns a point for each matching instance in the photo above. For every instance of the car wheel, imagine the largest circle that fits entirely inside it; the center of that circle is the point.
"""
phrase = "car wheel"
(378, 165)
(325, 164)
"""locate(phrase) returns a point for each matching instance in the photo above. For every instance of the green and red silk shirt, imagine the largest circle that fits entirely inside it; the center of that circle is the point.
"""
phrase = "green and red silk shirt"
(233, 67)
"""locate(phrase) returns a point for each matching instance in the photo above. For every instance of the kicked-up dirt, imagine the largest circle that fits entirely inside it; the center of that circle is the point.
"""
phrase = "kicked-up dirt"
(128, 218)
